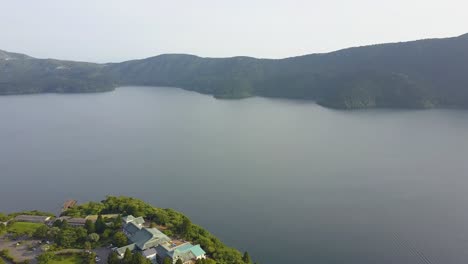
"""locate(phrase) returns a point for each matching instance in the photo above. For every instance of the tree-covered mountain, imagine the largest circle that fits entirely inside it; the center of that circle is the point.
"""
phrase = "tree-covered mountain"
(20, 74)
(416, 74)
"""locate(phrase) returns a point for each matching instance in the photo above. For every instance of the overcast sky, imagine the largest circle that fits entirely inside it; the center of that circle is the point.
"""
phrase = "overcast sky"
(117, 30)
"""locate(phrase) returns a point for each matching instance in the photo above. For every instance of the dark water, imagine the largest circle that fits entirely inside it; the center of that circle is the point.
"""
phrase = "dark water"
(289, 181)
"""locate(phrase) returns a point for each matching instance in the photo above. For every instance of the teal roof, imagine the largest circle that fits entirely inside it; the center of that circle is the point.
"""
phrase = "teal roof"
(187, 251)
(197, 251)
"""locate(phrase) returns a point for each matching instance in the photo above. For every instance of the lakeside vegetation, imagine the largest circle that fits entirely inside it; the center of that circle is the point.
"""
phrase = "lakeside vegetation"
(418, 74)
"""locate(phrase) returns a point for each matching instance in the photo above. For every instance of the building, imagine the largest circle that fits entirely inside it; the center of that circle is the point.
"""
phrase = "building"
(185, 252)
(32, 218)
(132, 225)
(155, 245)
(73, 221)
(141, 238)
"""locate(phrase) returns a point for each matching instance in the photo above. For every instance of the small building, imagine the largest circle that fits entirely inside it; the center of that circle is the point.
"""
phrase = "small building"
(73, 221)
(32, 218)
(187, 253)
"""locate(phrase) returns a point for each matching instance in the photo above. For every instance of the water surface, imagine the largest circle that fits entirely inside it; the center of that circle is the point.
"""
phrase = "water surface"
(289, 181)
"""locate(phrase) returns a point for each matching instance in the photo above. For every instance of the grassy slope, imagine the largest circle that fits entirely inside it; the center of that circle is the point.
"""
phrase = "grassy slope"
(24, 228)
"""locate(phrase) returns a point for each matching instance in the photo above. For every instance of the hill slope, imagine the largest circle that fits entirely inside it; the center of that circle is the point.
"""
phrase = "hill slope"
(416, 74)
(21, 74)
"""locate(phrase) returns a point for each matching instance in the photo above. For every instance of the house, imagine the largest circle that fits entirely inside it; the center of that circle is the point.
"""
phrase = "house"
(73, 221)
(32, 218)
(185, 252)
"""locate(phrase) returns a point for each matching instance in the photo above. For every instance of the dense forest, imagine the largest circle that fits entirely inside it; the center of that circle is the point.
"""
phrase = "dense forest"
(417, 74)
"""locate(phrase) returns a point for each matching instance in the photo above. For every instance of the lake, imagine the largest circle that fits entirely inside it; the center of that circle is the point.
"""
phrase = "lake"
(289, 181)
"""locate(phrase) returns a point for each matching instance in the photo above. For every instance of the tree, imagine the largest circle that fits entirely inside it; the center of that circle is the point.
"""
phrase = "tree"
(93, 237)
(53, 233)
(186, 226)
(113, 258)
(100, 225)
(118, 222)
(246, 258)
(45, 258)
(81, 234)
(87, 245)
(120, 239)
(179, 261)
(89, 258)
(41, 232)
(3, 217)
(128, 257)
(66, 238)
(138, 258)
(167, 260)
(89, 226)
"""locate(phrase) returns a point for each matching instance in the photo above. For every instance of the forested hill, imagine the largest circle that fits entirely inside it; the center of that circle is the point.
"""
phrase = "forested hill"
(416, 74)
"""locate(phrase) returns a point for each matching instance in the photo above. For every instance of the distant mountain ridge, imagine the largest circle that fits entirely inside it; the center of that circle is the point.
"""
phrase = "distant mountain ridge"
(416, 74)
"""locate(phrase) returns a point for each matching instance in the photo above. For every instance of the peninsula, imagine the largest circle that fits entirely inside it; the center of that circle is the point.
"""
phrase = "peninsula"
(117, 230)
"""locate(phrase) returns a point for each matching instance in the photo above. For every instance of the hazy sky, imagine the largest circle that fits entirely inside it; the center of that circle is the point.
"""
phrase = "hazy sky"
(116, 30)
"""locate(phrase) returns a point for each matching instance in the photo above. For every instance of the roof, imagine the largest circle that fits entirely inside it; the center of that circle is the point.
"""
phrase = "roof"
(148, 237)
(128, 218)
(73, 220)
(149, 252)
(186, 252)
(131, 228)
(131, 219)
(121, 251)
(32, 218)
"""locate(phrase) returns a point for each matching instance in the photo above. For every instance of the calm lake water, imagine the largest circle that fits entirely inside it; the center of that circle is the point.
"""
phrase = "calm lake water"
(289, 181)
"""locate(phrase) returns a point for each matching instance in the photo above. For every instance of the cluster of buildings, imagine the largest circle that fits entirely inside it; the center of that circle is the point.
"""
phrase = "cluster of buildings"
(151, 242)
(155, 245)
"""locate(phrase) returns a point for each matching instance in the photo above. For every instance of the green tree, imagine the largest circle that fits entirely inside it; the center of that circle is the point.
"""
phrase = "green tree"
(113, 258)
(89, 226)
(179, 261)
(100, 225)
(128, 257)
(67, 238)
(167, 260)
(89, 258)
(246, 258)
(93, 237)
(138, 258)
(118, 222)
(87, 245)
(81, 235)
(45, 258)
(186, 226)
(53, 233)
(3, 217)
(41, 232)
(120, 239)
